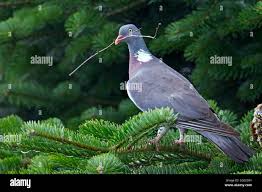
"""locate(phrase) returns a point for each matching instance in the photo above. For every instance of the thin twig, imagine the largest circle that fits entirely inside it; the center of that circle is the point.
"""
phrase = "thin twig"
(91, 58)
(147, 36)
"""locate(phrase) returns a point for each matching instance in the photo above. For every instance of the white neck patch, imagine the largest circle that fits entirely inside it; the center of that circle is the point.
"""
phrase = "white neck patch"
(143, 56)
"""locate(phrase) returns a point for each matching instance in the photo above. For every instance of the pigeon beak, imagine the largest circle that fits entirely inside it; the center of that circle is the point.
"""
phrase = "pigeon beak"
(119, 39)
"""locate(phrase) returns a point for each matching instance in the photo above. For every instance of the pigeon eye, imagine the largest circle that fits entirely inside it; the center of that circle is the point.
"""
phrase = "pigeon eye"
(130, 31)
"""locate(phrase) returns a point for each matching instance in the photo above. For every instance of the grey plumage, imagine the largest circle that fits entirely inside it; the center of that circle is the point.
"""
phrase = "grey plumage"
(162, 86)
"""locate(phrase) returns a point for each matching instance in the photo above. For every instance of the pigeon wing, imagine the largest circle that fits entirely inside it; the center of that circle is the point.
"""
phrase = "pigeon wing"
(161, 86)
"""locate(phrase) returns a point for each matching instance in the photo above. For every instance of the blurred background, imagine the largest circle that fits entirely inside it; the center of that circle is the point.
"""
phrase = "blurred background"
(67, 32)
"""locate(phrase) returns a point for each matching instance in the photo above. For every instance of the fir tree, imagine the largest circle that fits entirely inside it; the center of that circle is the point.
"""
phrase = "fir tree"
(103, 147)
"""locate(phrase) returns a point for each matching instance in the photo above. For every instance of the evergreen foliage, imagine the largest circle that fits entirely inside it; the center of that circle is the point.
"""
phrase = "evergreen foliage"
(104, 147)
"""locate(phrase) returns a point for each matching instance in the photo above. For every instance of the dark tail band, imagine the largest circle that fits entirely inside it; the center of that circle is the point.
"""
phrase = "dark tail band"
(231, 146)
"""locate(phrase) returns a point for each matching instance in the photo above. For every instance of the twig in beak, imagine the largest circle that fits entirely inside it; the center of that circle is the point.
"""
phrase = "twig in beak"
(146, 36)
(70, 74)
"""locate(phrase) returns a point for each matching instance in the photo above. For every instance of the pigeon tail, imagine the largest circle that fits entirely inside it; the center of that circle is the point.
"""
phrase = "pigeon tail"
(221, 134)
(231, 146)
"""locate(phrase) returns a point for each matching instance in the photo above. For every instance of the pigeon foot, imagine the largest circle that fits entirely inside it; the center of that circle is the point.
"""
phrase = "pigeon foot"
(155, 142)
(179, 142)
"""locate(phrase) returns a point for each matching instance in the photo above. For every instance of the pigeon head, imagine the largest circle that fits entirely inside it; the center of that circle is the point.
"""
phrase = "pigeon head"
(138, 52)
(128, 33)
(131, 35)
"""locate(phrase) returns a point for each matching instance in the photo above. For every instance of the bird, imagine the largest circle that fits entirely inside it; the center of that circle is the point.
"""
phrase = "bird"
(256, 125)
(162, 86)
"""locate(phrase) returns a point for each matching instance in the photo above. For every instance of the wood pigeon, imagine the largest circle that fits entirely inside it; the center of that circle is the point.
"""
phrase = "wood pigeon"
(162, 86)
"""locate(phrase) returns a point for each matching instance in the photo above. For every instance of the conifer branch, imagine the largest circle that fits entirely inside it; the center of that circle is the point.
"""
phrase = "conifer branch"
(125, 8)
(162, 148)
(12, 4)
(67, 141)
